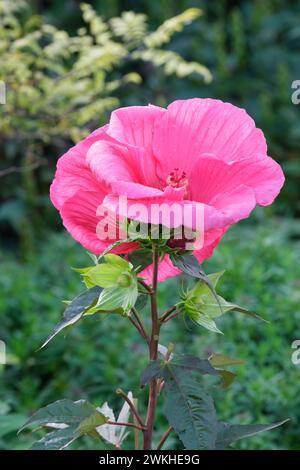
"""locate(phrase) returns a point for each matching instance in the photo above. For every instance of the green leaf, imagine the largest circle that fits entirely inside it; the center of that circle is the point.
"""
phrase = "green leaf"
(215, 277)
(116, 300)
(104, 275)
(233, 307)
(153, 370)
(227, 377)
(159, 368)
(229, 433)
(141, 301)
(201, 288)
(189, 409)
(75, 311)
(112, 271)
(192, 363)
(93, 257)
(190, 265)
(218, 360)
(141, 258)
(57, 440)
(203, 320)
(202, 305)
(116, 245)
(210, 304)
(73, 419)
(61, 412)
(210, 307)
(90, 423)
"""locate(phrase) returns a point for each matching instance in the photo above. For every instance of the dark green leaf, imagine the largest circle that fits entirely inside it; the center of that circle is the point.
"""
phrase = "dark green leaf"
(228, 433)
(62, 412)
(189, 363)
(152, 371)
(57, 440)
(237, 308)
(141, 301)
(141, 258)
(72, 419)
(160, 368)
(189, 409)
(190, 265)
(75, 310)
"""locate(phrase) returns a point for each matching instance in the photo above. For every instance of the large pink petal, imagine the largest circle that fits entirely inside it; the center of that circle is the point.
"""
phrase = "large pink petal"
(146, 204)
(212, 177)
(195, 126)
(141, 192)
(134, 126)
(169, 209)
(80, 215)
(73, 173)
(110, 161)
(229, 207)
(211, 240)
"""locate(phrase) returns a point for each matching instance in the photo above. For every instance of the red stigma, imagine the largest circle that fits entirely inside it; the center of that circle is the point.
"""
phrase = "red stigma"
(176, 179)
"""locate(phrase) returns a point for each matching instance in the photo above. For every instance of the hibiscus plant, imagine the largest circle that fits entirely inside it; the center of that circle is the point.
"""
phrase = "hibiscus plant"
(150, 195)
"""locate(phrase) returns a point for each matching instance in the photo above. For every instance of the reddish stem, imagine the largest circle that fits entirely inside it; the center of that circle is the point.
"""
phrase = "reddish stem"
(153, 347)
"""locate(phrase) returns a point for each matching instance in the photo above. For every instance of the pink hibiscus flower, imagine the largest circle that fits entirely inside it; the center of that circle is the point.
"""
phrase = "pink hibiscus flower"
(197, 151)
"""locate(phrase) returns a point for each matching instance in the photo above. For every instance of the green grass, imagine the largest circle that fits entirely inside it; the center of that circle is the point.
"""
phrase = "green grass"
(98, 355)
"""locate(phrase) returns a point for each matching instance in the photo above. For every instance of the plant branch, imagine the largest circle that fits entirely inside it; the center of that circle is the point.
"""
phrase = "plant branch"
(171, 316)
(163, 318)
(137, 326)
(164, 438)
(146, 287)
(130, 425)
(131, 406)
(140, 323)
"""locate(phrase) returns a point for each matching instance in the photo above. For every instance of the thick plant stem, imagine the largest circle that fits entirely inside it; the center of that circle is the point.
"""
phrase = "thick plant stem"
(153, 347)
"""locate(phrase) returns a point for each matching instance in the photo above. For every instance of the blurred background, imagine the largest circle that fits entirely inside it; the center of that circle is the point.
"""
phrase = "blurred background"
(66, 66)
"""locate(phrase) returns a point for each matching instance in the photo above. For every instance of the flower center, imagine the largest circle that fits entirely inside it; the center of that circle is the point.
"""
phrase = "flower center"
(176, 179)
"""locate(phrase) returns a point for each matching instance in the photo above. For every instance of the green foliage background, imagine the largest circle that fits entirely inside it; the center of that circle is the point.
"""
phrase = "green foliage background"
(62, 81)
